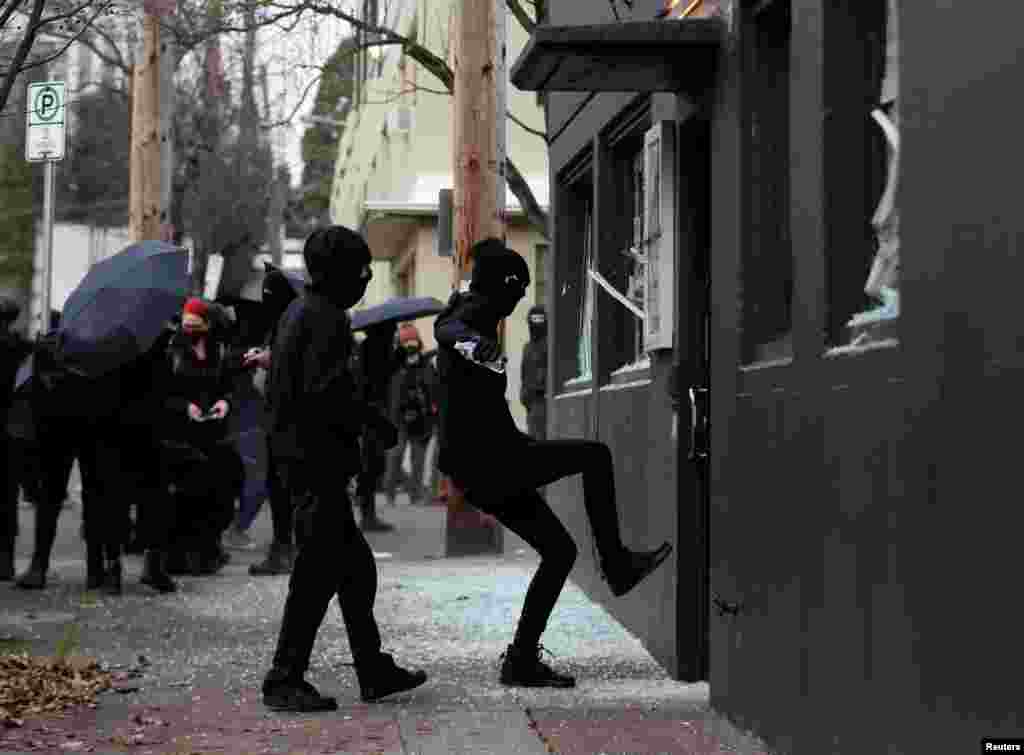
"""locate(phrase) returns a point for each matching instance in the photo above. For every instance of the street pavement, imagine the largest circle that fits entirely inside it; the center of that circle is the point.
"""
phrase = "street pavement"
(190, 664)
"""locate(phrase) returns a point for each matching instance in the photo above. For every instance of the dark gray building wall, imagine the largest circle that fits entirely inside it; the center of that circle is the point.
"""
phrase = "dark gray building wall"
(863, 507)
(635, 421)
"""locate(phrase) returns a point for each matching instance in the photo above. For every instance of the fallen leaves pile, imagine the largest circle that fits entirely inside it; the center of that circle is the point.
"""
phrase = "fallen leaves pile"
(32, 685)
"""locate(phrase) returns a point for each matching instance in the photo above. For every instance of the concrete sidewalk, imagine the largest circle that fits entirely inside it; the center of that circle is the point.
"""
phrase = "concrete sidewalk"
(191, 663)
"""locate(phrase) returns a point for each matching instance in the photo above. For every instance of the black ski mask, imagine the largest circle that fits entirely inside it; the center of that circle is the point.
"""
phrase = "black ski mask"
(537, 322)
(338, 261)
(500, 275)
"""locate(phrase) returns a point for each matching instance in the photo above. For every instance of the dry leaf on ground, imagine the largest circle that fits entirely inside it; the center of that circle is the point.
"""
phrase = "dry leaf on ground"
(32, 685)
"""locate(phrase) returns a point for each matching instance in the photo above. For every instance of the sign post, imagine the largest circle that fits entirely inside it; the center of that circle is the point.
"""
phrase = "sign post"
(45, 142)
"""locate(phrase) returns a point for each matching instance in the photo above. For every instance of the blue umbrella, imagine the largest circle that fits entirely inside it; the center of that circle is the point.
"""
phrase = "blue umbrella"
(24, 374)
(122, 306)
(397, 309)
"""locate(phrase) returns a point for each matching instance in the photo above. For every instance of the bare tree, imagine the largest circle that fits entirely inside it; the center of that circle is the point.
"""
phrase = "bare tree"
(528, 13)
(23, 23)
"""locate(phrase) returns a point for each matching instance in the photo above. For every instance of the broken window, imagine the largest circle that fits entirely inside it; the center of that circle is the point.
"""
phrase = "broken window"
(862, 160)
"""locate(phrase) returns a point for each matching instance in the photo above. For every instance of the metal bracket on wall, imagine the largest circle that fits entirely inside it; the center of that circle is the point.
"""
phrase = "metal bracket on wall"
(700, 425)
(727, 608)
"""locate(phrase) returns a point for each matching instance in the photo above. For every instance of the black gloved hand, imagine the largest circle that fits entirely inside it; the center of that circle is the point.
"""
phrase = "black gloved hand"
(487, 350)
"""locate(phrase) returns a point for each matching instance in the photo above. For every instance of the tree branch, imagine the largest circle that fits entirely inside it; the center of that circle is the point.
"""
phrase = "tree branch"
(528, 129)
(12, 6)
(21, 53)
(70, 13)
(521, 15)
(522, 191)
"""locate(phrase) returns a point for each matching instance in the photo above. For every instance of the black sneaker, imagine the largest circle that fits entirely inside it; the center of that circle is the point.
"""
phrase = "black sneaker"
(524, 668)
(297, 696)
(384, 677)
(632, 568)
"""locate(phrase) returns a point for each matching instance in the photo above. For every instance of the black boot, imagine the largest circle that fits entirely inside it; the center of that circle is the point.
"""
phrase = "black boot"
(290, 692)
(382, 677)
(94, 572)
(154, 571)
(46, 533)
(524, 668)
(629, 568)
(278, 561)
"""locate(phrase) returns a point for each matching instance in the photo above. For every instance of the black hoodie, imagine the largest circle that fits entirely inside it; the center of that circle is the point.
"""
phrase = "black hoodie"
(477, 428)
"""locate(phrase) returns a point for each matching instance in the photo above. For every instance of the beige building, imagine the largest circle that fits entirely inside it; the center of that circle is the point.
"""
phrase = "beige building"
(396, 155)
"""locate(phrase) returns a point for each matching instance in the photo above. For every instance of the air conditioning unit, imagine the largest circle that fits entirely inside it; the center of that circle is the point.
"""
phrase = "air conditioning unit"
(400, 119)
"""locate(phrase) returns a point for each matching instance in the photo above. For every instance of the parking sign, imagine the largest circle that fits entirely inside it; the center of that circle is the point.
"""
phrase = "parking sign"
(47, 118)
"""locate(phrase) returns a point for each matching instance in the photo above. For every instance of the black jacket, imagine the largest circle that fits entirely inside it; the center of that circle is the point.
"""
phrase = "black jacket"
(412, 399)
(189, 381)
(477, 428)
(534, 375)
(13, 351)
(315, 412)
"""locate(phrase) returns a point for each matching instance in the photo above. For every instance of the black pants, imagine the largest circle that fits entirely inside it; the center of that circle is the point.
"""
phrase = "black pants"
(333, 559)
(514, 501)
(199, 487)
(280, 501)
(104, 506)
(10, 463)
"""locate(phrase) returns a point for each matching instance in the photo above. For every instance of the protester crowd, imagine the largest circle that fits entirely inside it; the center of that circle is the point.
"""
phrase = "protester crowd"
(179, 446)
(178, 465)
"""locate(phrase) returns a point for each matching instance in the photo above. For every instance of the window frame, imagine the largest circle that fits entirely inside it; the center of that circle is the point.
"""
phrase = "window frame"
(769, 207)
(622, 148)
(574, 194)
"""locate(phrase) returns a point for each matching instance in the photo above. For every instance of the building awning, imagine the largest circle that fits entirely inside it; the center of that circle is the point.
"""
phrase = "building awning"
(389, 223)
(669, 55)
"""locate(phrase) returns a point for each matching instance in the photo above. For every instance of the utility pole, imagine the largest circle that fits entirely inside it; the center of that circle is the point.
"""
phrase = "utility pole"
(167, 99)
(145, 176)
(479, 211)
(278, 189)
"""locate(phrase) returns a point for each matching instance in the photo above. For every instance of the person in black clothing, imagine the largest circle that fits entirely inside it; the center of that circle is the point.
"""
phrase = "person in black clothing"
(412, 411)
(500, 468)
(277, 295)
(316, 419)
(201, 472)
(534, 383)
(77, 418)
(13, 350)
(374, 363)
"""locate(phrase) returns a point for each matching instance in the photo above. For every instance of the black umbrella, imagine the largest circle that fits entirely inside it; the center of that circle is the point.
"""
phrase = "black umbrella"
(122, 305)
(397, 309)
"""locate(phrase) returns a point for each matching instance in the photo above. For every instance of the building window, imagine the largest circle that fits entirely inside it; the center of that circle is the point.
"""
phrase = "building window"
(574, 298)
(624, 234)
(862, 167)
(767, 255)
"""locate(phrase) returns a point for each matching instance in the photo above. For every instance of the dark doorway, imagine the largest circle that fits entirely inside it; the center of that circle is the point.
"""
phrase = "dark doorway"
(692, 383)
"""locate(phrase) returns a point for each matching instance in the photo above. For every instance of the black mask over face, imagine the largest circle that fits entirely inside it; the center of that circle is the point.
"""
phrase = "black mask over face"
(500, 275)
(338, 261)
(349, 287)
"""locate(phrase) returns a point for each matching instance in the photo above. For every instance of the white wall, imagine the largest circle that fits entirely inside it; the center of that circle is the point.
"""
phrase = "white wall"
(75, 248)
